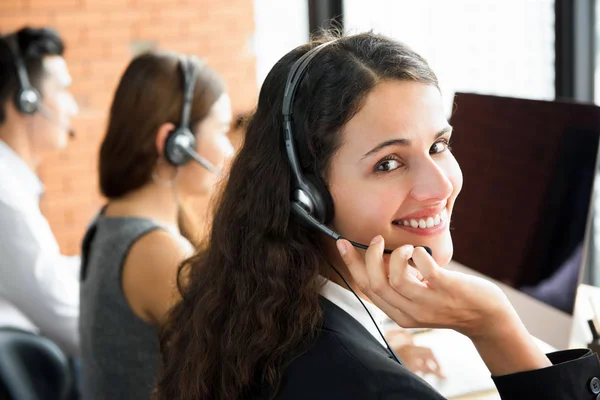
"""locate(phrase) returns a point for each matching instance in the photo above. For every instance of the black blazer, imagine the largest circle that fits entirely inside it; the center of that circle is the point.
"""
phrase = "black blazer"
(347, 362)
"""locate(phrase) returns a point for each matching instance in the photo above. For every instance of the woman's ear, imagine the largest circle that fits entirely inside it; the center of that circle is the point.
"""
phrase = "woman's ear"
(161, 137)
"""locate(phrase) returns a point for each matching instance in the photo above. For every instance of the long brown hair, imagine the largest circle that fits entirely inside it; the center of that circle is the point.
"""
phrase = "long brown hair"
(149, 94)
(250, 298)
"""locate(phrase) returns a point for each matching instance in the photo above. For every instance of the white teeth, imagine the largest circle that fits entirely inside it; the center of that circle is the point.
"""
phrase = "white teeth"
(424, 223)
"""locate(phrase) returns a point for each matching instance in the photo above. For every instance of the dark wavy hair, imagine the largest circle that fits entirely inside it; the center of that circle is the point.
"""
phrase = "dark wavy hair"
(250, 297)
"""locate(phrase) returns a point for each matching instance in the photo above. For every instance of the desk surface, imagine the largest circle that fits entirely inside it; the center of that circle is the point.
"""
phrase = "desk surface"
(461, 362)
(491, 395)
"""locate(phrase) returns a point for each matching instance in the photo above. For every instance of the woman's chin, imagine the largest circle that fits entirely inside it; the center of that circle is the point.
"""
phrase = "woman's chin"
(442, 254)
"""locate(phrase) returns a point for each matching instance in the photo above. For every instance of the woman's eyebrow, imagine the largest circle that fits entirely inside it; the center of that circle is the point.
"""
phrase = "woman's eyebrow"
(401, 142)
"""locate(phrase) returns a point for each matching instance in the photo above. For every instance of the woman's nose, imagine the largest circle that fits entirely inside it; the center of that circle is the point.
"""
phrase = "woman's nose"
(431, 183)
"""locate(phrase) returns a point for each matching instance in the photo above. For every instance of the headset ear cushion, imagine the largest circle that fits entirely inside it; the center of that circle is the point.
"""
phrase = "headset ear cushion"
(27, 100)
(173, 150)
(169, 149)
(323, 204)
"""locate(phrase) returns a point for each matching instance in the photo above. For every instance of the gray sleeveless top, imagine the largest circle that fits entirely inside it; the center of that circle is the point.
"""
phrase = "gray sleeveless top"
(120, 352)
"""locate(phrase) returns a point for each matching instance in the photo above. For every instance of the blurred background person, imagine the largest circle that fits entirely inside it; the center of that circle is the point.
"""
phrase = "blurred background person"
(39, 286)
(167, 141)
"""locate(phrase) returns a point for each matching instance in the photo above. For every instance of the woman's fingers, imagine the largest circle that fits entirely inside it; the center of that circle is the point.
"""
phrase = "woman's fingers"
(426, 266)
(403, 278)
(354, 262)
(379, 281)
(388, 300)
(375, 265)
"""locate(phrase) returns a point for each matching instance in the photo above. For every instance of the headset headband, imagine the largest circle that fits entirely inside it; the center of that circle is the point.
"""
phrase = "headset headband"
(295, 76)
(11, 40)
(189, 83)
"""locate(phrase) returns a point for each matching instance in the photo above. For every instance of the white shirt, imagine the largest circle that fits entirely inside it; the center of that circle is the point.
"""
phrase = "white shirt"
(39, 287)
(344, 299)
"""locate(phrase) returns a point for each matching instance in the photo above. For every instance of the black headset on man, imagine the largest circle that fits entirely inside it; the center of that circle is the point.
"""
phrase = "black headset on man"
(28, 99)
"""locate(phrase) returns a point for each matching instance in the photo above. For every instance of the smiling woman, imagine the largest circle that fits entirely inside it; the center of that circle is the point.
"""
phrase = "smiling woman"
(349, 136)
(408, 179)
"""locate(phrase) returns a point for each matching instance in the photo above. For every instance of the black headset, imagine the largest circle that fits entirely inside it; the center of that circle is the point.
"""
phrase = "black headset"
(310, 199)
(180, 145)
(27, 98)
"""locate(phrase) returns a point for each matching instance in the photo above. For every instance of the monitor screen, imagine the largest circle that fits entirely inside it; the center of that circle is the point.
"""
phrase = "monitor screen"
(528, 170)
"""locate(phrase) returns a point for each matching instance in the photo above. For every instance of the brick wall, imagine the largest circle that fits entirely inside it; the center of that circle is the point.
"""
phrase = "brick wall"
(101, 36)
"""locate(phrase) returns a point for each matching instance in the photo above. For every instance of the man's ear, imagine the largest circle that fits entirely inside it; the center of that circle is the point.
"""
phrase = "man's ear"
(161, 137)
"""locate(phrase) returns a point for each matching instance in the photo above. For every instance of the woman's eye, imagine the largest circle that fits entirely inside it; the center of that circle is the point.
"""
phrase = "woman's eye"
(387, 165)
(439, 147)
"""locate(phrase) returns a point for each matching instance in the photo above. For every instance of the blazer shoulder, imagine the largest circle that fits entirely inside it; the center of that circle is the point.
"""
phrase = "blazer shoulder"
(339, 368)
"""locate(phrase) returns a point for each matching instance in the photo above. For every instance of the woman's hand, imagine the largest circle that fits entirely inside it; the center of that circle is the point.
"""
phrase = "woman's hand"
(427, 295)
(417, 359)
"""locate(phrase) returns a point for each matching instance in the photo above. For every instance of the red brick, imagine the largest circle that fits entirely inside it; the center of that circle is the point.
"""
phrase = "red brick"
(10, 5)
(13, 20)
(82, 51)
(186, 46)
(159, 31)
(177, 15)
(52, 5)
(117, 33)
(103, 4)
(81, 19)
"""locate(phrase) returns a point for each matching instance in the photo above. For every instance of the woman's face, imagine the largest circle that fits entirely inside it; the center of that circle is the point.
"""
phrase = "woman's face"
(212, 143)
(394, 174)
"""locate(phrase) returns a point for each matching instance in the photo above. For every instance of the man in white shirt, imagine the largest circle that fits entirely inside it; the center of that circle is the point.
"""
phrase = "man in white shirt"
(39, 287)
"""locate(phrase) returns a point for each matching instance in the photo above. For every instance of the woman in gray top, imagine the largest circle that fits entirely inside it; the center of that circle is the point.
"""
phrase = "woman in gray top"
(165, 146)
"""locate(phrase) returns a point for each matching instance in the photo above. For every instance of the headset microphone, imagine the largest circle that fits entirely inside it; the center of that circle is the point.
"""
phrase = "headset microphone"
(202, 161)
(297, 209)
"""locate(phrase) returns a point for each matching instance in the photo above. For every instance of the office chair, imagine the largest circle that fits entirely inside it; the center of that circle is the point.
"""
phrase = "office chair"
(32, 367)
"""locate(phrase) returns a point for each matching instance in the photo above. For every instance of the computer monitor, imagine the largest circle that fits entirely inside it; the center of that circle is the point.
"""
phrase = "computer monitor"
(524, 210)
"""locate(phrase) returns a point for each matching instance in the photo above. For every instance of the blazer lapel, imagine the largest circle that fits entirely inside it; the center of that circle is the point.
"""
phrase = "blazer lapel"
(339, 321)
